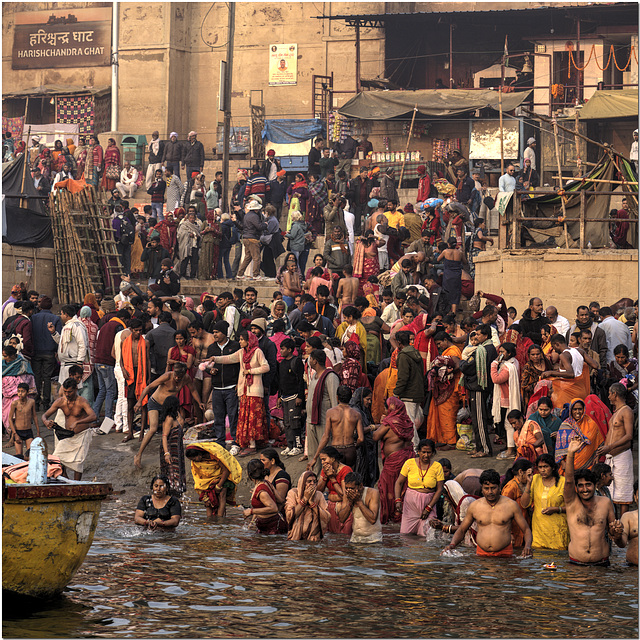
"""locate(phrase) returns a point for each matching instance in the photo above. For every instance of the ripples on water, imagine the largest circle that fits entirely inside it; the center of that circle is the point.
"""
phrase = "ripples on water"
(222, 580)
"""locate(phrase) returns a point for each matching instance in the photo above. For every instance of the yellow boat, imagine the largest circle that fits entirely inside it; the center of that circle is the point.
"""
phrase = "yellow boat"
(47, 530)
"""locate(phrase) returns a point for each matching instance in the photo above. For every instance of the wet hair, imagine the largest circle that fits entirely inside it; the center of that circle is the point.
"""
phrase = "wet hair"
(557, 338)
(510, 348)
(170, 407)
(256, 470)
(545, 400)
(196, 324)
(332, 452)
(9, 350)
(272, 454)
(180, 367)
(69, 383)
(515, 414)
(348, 269)
(547, 458)
(521, 464)
(584, 474)
(427, 442)
(23, 385)
(445, 463)
(600, 469)
(175, 306)
(489, 476)
(354, 477)
(163, 478)
(183, 333)
(344, 394)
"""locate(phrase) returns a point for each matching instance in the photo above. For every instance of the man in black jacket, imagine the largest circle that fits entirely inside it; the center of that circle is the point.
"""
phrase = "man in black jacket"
(278, 191)
(159, 341)
(153, 255)
(156, 151)
(359, 190)
(224, 379)
(270, 166)
(314, 157)
(167, 284)
(173, 154)
(291, 396)
(532, 319)
(410, 384)
(193, 159)
(156, 191)
(477, 382)
(438, 303)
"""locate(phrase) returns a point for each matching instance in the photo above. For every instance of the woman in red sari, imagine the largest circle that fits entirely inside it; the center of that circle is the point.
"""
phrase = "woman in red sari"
(523, 345)
(183, 352)
(111, 159)
(264, 509)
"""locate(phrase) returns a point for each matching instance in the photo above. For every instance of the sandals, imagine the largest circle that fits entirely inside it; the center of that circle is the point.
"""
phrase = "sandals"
(480, 454)
(303, 458)
(506, 456)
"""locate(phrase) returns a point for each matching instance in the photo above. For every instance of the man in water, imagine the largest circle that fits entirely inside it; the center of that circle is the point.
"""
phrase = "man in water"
(342, 422)
(626, 532)
(364, 503)
(588, 515)
(168, 384)
(79, 416)
(493, 515)
(617, 448)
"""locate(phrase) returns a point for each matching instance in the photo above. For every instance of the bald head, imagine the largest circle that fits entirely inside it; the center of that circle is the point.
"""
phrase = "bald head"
(420, 257)
(551, 313)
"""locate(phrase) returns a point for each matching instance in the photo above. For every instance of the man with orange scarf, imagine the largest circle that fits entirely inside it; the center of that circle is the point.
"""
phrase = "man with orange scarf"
(135, 361)
(396, 433)
(445, 401)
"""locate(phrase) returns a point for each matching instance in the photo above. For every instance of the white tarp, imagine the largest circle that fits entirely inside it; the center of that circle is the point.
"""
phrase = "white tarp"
(49, 133)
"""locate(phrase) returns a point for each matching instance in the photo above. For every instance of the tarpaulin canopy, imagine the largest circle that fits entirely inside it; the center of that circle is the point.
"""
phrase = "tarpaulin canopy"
(549, 207)
(611, 104)
(290, 131)
(26, 226)
(383, 105)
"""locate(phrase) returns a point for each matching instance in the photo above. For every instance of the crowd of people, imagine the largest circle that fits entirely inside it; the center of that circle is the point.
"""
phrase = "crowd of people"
(368, 350)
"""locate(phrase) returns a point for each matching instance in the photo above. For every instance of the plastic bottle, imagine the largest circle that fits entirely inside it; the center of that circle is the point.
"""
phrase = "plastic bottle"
(38, 462)
(589, 245)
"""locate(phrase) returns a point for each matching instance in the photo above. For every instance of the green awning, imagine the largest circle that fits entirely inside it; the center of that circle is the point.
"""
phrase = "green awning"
(384, 105)
(611, 104)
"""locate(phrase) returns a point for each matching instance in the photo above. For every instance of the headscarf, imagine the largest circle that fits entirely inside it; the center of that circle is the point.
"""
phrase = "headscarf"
(247, 354)
(85, 312)
(188, 303)
(397, 419)
(357, 402)
(312, 523)
(548, 425)
(207, 472)
(351, 368)
(392, 380)
(300, 182)
(522, 345)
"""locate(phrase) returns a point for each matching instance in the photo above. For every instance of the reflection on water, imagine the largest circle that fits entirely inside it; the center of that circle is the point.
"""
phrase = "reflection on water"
(222, 580)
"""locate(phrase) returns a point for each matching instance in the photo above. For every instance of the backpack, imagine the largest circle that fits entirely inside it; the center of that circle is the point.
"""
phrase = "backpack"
(127, 232)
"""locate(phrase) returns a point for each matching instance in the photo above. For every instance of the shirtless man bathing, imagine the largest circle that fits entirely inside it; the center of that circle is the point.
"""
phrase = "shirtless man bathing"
(342, 423)
(588, 515)
(168, 384)
(625, 533)
(201, 340)
(493, 514)
(79, 416)
(617, 448)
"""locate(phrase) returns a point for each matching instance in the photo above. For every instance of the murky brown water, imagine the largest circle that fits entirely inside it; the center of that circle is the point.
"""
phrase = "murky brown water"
(221, 580)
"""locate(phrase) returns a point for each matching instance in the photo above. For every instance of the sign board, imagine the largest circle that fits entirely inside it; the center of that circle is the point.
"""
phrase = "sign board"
(502, 201)
(239, 140)
(485, 140)
(55, 39)
(283, 64)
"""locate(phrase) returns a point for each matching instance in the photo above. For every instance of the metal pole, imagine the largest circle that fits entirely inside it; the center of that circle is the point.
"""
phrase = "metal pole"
(114, 67)
(500, 111)
(24, 169)
(227, 105)
(562, 196)
(451, 55)
(358, 58)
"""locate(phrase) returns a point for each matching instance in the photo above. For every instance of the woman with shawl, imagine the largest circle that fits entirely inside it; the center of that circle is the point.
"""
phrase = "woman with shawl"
(297, 198)
(112, 164)
(216, 474)
(396, 450)
(445, 399)
(537, 363)
(168, 230)
(86, 317)
(457, 502)
(318, 200)
(252, 424)
(15, 369)
(505, 374)
(306, 510)
(522, 344)
(351, 371)
(264, 508)
(91, 302)
(365, 259)
(210, 250)
(319, 261)
(44, 162)
(172, 464)
(57, 157)
(548, 423)
(137, 265)
(367, 453)
(183, 352)
(351, 329)
(579, 423)
(80, 156)
(189, 241)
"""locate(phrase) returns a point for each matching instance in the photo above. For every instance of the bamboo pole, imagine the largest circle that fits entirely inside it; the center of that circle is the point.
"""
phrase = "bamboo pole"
(593, 180)
(413, 119)
(583, 207)
(24, 169)
(562, 197)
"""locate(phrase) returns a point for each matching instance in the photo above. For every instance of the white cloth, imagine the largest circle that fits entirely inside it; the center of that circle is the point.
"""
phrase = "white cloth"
(390, 314)
(622, 470)
(72, 346)
(363, 532)
(531, 154)
(577, 361)
(506, 183)
(562, 325)
(121, 415)
(414, 411)
(151, 173)
(229, 317)
(349, 221)
(73, 451)
(514, 395)
(617, 333)
(633, 153)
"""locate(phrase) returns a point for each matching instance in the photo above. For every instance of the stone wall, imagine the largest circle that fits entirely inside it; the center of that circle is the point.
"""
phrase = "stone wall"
(42, 278)
(564, 278)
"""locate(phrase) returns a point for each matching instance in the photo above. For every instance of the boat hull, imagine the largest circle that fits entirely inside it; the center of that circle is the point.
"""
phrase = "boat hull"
(47, 531)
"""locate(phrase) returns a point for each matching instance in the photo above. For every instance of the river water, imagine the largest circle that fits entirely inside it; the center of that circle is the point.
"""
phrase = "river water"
(223, 580)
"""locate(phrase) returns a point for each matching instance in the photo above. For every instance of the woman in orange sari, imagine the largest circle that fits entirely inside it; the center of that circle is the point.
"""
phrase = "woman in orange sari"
(579, 423)
(383, 387)
(445, 400)
(565, 389)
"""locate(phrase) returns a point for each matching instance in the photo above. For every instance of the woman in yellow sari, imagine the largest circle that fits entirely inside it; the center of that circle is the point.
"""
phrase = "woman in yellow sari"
(351, 326)
(445, 400)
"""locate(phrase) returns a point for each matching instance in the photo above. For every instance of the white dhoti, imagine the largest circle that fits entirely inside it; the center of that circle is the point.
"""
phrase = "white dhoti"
(416, 415)
(73, 451)
(622, 469)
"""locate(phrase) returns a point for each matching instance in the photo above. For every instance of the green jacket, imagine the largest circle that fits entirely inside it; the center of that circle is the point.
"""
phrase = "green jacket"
(410, 385)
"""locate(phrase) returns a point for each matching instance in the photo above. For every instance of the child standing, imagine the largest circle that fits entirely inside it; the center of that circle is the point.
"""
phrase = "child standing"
(22, 415)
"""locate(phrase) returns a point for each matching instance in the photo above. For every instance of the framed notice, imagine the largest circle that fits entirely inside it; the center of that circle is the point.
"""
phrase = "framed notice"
(56, 39)
(283, 64)
(484, 142)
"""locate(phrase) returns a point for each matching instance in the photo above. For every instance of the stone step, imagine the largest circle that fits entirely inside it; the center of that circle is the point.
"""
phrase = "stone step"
(193, 288)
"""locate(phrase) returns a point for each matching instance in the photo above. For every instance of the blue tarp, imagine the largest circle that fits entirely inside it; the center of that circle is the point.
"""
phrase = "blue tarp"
(291, 131)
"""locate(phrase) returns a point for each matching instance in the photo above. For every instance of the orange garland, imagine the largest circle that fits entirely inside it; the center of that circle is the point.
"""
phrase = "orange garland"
(612, 54)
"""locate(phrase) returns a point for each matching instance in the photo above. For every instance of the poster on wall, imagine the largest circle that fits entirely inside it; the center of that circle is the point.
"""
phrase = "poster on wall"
(283, 64)
(55, 39)
(484, 143)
